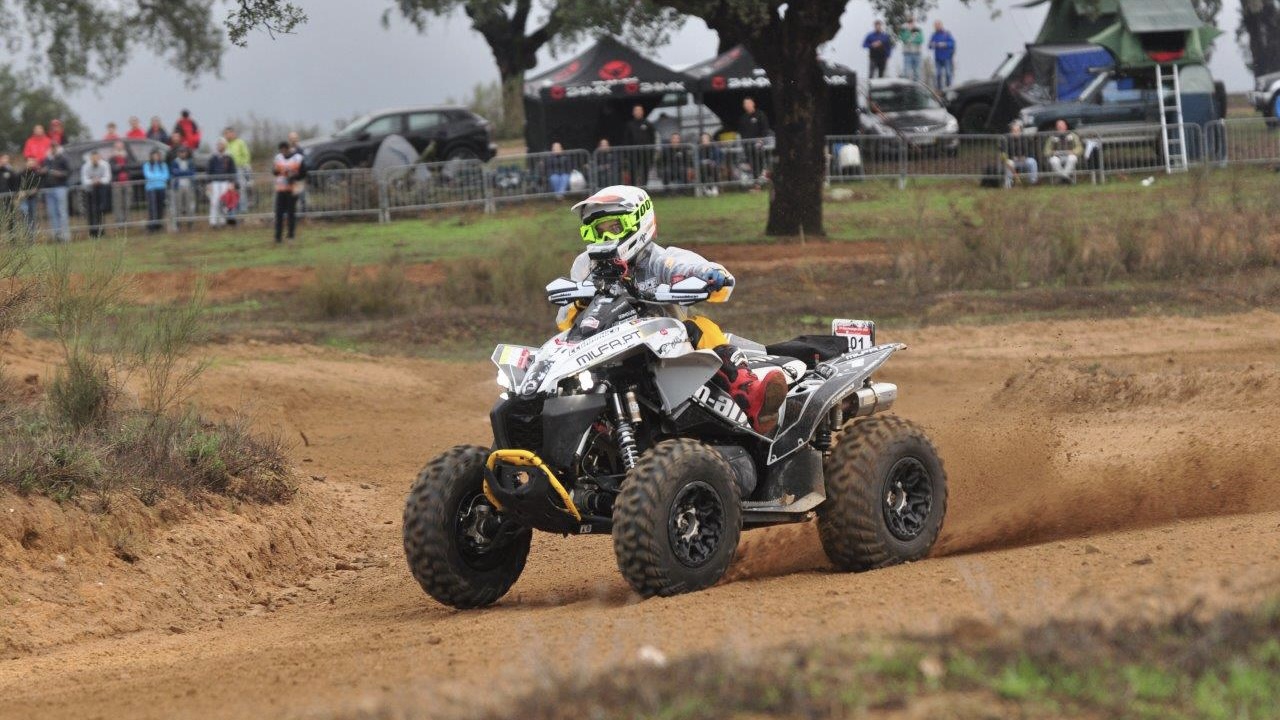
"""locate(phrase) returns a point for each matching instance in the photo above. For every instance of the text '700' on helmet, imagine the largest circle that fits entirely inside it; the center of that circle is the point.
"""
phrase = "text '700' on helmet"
(620, 214)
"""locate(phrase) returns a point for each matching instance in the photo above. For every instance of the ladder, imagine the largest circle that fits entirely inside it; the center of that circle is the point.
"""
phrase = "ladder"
(1173, 137)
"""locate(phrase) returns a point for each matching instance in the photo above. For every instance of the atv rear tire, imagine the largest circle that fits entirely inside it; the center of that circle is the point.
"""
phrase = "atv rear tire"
(677, 520)
(451, 565)
(886, 495)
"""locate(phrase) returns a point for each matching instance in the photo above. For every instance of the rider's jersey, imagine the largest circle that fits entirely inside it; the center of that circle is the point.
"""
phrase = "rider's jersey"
(657, 266)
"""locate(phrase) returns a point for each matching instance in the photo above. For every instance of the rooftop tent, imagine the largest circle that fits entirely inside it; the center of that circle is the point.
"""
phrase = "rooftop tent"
(1063, 71)
(1138, 32)
(725, 80)
(590, 96)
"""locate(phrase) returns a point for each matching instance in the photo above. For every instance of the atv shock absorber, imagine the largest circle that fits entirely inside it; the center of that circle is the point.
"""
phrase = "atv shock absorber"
(624, 432)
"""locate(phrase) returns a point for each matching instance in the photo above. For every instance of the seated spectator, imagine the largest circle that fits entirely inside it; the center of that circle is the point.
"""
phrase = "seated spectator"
(711, 162)
(559, 168)
(608, 169)
(135, 129)
(675, 164)
(1063, 149)
(1017, 154)
(111, 133)
(155, 172)
(36, 149)
(156, 131)
(187, 128)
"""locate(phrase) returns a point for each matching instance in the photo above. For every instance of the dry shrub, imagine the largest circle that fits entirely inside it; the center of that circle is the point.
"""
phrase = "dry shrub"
(1011, 240)
(340, 291)
(514, 279)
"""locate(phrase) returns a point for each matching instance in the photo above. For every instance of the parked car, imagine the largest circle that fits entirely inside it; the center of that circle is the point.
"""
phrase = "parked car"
(1266, 94)
(1115, 99)
(892, 106)
(139, 151)
(457, 132)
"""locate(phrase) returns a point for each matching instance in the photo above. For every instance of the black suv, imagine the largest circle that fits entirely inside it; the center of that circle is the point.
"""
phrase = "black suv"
(457, 132)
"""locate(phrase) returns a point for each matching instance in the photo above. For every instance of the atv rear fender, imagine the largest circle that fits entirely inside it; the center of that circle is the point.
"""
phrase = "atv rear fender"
(812, 400)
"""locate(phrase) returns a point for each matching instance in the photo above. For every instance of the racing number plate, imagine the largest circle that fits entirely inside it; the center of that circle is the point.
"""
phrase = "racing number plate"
(860, 333)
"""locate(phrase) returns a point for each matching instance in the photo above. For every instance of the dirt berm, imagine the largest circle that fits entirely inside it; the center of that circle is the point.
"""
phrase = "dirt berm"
(1099, 470)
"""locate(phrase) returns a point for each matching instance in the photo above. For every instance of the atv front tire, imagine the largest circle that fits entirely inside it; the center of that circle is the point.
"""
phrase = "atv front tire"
(677, 520)
(886, 495)
(447, 553)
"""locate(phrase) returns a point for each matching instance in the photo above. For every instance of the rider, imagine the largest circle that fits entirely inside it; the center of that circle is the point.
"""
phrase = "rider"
(624, 215)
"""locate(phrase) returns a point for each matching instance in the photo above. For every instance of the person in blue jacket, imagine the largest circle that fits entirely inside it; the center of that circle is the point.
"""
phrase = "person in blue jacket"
(155, 173)
(943, 45)
(879, 46)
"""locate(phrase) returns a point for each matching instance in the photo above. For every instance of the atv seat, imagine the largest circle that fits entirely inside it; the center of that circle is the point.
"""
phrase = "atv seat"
(811, 349)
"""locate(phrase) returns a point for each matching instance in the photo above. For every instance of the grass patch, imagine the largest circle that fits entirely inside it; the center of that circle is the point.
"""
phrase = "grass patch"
(1227, 666)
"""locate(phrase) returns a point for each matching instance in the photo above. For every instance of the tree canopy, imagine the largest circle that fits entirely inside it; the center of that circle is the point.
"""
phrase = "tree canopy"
(73, 42)
(29, 102)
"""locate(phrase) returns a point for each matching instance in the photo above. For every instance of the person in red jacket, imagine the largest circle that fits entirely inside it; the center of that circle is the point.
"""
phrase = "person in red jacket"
(121, 191)
(37, 147)
(190, 131)
(56, 133)
(135, 129)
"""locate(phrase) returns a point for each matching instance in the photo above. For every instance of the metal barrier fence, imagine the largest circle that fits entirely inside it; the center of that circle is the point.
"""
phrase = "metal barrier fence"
(702, 169)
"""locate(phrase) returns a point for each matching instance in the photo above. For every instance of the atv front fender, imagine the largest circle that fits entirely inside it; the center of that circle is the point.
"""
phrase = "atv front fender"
(812, 400)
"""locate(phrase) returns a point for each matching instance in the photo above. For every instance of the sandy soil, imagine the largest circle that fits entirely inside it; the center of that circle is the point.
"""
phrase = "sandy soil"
(1107, 470)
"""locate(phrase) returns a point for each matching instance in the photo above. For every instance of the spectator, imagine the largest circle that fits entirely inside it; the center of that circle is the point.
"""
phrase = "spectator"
(29, 182)
(182, 174)
(675, 164)
(188, 129)
(9, 187)
(36, 149)
(710, 163)
(607, 170)
(559, 169)
(120, 188)
(156, 131)
(57, 174)
(912, 39)
(111, 133)
(238, 149)
(943, 45)
(175, 142)
(287, 168)
(56, 133)
(95, 180)
(879, 46)
(753, 128)
(1018, 156)
(135, 129)
(155, 173)
(300, 186)
(222, 174)
(1063, 149)
(639, 134)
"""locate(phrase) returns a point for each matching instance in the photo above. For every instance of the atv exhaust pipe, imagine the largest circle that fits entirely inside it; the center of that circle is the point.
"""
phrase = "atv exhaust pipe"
(874, 398)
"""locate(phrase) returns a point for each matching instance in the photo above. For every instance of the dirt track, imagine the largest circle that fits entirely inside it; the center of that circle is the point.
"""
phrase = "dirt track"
(1104, 470)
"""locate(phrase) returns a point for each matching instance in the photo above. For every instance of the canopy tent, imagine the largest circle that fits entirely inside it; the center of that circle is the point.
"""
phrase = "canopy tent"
(590, 96)
(725, 80)
(1140, 33)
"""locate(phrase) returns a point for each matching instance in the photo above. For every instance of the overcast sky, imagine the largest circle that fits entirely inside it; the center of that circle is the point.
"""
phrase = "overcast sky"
(342, 62)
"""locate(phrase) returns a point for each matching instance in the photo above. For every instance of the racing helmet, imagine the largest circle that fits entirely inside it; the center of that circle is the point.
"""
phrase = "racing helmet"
(620, 214)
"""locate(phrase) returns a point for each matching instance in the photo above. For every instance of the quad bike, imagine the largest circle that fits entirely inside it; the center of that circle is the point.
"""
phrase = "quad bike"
(612, 426)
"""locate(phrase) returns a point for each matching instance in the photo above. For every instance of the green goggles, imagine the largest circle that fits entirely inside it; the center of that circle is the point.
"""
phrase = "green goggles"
(609, 228)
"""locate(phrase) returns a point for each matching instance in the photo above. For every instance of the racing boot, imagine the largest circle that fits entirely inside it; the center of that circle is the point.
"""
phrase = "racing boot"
(760, 398)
